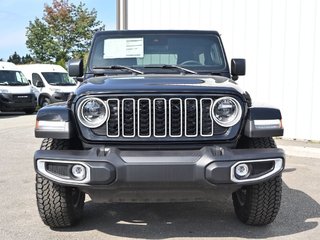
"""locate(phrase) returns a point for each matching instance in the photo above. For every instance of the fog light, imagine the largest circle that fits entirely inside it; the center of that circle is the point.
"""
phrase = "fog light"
(79, 172)
(242, 170)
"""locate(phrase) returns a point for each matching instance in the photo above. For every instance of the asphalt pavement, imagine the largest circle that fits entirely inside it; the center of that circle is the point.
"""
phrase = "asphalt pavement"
(299, 216)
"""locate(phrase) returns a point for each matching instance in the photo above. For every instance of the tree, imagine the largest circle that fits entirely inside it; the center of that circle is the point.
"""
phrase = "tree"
(65, 31)
(40, 42)
(15, 58)
(27, 59)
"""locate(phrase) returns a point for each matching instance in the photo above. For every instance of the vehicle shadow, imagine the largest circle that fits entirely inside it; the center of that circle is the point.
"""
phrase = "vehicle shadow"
(13, 114)
(215, 219)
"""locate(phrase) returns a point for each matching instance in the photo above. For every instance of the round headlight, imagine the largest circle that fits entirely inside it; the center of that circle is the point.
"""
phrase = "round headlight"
(93, 112)
(226, 111)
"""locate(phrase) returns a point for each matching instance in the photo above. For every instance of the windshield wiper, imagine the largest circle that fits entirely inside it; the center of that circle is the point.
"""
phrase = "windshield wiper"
(120, 67)
(4, 83)
(168, 66)
(66, 84)
(17, 84)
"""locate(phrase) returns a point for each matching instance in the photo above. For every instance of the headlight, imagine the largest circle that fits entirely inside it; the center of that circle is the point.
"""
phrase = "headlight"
(226, 111)
(56, 90)
(92, 112)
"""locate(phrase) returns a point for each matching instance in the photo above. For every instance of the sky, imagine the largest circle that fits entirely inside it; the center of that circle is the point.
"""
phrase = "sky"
(16, 14)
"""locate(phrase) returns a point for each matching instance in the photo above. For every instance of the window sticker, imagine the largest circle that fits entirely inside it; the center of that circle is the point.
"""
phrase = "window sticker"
(123, 48)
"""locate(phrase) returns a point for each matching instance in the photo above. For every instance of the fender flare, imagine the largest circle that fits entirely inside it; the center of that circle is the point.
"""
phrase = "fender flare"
(263, 122)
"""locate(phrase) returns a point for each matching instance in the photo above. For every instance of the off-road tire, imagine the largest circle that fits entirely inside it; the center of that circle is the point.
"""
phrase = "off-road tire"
(30, 111)
(258, 204)
(45, 102)
(58, 206)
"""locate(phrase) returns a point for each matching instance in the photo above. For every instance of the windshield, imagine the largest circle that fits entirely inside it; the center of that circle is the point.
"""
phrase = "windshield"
(191, 51)
(13, 78)
(58, 78)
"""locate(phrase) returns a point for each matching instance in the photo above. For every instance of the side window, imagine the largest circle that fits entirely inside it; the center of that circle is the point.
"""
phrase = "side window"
(35, 78)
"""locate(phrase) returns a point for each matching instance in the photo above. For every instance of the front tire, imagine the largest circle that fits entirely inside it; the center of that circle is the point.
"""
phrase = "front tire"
(45, 102)
(258, 204)
(58, 206)
(30, 111)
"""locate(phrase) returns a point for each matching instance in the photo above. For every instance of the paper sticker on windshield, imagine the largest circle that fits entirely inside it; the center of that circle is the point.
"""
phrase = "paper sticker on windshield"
(123, 48)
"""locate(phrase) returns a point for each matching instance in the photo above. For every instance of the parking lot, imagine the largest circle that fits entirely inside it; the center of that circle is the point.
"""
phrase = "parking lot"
(299, 216)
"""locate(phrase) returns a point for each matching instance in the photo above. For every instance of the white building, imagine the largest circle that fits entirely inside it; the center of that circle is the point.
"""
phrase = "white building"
(280, 40)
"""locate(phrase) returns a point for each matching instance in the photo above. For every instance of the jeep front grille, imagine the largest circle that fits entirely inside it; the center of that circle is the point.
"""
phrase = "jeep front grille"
(159, 118)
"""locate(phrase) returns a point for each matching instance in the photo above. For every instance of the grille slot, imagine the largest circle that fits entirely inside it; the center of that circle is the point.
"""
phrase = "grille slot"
(175, 117)
(191, 117)
(113, 123)
(206, 123)
(128, 117)
(160, 117)
(144, 117)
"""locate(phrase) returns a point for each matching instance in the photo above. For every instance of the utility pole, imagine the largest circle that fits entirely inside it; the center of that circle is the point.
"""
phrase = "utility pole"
(122, 14)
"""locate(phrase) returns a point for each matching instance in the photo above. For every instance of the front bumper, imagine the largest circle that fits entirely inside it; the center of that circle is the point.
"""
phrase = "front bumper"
(154, 175)
(16, 102)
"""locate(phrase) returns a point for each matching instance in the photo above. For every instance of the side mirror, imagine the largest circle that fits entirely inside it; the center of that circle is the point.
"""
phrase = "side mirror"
(238, 67)
(39, 84)
(75, 68)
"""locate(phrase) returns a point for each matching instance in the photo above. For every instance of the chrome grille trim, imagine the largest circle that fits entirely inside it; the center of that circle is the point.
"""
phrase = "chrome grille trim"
(154, 117)
(201, 117)
(138, 114)
(170, 117)
(124, 118)
(118, 114)
(165, 117)
(186, 117)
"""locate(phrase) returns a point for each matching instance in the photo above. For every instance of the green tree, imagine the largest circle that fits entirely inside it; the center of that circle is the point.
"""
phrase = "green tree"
(26, 59)
(40, 42)
(15, 58)
(65, 31)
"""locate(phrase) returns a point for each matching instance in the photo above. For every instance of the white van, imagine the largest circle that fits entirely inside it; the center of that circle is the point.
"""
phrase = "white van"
(15, 90)
(51, 83)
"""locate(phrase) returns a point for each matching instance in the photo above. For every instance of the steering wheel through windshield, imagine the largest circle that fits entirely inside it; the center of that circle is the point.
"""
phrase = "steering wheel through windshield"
(190, 63)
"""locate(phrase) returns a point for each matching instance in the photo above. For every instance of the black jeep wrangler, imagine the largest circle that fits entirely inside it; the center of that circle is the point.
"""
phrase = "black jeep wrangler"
(158, 118)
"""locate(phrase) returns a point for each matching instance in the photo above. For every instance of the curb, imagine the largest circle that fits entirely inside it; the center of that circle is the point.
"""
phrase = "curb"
(300, 151)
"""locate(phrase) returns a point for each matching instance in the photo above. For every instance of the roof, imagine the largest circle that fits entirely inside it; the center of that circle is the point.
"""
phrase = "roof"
(132, 32)
(8, 66)
(42, 68)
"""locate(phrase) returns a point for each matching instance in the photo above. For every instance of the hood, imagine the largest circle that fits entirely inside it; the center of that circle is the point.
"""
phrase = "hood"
(25, 89)
(158, 84)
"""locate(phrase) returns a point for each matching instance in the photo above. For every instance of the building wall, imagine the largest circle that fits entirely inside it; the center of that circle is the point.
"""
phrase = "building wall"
(280, 40)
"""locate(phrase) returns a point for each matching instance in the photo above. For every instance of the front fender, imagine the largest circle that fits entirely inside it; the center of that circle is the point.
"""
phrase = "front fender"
(263, 122)
(55, 121)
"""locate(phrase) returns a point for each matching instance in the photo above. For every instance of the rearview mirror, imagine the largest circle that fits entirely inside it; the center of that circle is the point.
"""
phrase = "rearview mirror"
(238, 67)
(75, 68)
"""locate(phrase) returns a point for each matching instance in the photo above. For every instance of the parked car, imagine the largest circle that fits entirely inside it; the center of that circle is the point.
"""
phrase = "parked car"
(51, 83)
(16, 94)
(159, 117)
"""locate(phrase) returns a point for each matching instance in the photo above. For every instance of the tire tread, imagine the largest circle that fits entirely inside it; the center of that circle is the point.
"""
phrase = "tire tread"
(55, 204)
(263, 200)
